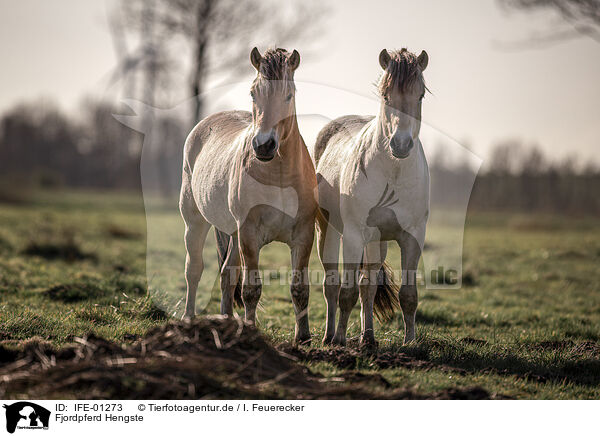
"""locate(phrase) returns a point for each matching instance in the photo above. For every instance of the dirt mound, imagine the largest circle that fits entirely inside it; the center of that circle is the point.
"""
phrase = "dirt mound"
(212, 357)
(349, 358)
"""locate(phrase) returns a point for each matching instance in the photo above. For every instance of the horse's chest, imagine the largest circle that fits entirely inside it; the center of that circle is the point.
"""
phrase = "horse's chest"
(272, 211)
(392, 209)
(388, 223)
(251, 193)
(272, 224)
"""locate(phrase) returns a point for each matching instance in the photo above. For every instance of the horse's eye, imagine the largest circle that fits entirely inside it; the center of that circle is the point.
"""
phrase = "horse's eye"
(289, 97)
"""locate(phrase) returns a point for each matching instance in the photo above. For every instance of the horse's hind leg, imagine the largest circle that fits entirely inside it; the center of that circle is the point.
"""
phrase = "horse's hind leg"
(300, 288)
(196, 228)
(229, 263)
(328, 247)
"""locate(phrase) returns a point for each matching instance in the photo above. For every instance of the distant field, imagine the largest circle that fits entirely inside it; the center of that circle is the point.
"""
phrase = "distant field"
(526, 324)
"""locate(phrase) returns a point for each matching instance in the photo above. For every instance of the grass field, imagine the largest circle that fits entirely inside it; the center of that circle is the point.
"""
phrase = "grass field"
(526, 324)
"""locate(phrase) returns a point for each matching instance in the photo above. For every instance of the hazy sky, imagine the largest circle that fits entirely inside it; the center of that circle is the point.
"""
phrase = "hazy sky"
(481, 94)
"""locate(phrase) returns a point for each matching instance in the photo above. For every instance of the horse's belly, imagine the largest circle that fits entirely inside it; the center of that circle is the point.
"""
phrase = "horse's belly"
(216, 211)
(329, 199)
(211, 196)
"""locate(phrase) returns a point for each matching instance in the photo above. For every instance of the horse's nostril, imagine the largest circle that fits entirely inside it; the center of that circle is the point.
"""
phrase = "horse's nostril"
(269, 145)
(265, 150)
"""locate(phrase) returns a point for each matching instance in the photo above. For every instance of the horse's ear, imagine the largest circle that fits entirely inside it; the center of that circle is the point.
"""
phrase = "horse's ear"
(255, 58)
(423, 60)
(294, 60)
(384, 58)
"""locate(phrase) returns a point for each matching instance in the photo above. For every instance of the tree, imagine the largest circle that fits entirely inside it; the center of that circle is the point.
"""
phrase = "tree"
(109, 148)
(578, 18)
(39, 140)
(217, 34)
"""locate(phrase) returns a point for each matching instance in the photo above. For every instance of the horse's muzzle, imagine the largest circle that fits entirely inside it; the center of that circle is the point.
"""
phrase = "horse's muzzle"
(401, 147)
(265, 151)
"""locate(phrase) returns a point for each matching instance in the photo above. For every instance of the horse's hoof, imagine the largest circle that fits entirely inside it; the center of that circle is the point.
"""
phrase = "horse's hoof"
(327, 340)
(187, 318)
(368, 344)
(304, 341)
(408, 339)
(341, 342)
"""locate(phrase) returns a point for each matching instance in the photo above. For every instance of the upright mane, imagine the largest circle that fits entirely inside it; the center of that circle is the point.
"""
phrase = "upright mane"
(403, 71)
(274, 72)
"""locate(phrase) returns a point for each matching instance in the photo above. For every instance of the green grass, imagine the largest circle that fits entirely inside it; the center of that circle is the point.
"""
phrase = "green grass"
(526, 324)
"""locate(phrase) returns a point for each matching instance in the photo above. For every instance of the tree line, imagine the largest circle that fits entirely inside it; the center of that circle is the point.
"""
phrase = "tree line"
(40, 146)
(519, 177)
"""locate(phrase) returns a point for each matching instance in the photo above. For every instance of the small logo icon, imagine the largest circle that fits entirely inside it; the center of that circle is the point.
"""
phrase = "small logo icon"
(26, 415)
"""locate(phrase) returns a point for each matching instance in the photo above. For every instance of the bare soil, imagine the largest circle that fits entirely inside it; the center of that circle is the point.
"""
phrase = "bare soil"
(211, 357)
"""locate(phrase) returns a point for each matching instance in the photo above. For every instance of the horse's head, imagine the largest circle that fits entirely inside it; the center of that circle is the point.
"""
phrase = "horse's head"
(402, 89)
(273, 104)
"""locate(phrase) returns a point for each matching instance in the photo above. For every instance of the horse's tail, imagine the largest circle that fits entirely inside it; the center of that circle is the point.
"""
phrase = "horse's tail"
(224, 245)
(386, 299)
(321, 219)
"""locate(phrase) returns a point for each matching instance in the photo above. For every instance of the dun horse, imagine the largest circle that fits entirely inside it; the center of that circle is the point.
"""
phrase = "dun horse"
(374, 188)
(251, 177)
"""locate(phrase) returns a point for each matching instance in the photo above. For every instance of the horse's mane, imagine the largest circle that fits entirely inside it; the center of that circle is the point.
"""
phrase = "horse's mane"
(403, 71)
(274, 69)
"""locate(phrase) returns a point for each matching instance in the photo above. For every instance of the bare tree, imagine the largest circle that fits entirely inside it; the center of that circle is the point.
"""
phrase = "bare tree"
(577, 18)
(217, 35)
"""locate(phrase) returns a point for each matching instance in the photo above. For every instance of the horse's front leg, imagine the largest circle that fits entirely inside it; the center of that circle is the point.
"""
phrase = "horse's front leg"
(328, 247)
(301, 247)
(196, 229)
(251, 283)
(410, 246)
(230, 272)
(353, 249)
(368, 289)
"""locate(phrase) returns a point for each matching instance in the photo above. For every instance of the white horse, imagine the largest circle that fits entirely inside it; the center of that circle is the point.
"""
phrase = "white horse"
(373, 188)
(251, 177)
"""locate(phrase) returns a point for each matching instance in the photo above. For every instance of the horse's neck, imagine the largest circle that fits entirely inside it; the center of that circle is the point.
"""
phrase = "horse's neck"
(290, 165)
(291, 143)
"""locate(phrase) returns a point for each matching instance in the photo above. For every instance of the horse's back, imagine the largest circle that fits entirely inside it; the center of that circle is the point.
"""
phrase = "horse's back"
(338, 130)
(210, 151)
(214, 131)
(334, 144)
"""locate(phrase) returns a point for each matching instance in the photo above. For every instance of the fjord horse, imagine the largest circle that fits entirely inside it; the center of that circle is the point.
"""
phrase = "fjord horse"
(251, 177)
(373, 188)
